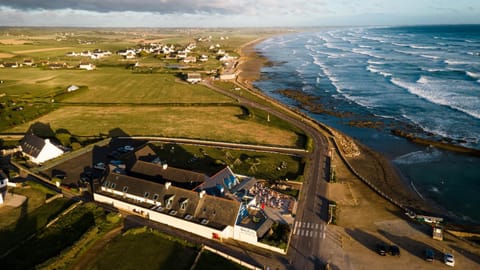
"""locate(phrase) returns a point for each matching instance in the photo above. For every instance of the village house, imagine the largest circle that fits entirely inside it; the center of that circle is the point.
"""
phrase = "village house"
(72, 88)
(86, 66)
(204, 58)
(38, 150)
(190, 59)
(194, 77)
(28, 62)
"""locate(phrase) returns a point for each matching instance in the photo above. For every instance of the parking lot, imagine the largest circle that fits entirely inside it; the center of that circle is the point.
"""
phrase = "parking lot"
(80, 170)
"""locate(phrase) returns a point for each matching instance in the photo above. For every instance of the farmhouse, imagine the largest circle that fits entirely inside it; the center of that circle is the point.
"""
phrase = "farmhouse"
(190, 59)
(194, 77)
(3, 187)
(72, 88)
(37, 149)
(219, 207)
(86, 66)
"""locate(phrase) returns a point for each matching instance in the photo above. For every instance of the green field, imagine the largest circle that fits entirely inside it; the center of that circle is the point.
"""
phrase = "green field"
(141, 249)
(105, 85)
(215, 123)
(30, 223)
(211, 261)
(210, 160)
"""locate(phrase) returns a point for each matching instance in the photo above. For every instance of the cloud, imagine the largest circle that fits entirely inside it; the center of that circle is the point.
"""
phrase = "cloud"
(156, 6)
(224, 7)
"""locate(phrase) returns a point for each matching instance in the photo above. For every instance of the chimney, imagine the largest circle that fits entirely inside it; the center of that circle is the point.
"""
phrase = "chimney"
(165, 166)
(201, 194)
(167, 185)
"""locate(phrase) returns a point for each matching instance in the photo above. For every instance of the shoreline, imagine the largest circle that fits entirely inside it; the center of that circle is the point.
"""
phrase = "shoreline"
(380, 171)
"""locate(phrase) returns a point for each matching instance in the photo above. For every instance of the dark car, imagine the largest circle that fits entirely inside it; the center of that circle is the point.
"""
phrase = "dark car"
(429, 255)
(394, 250)
(381, 249)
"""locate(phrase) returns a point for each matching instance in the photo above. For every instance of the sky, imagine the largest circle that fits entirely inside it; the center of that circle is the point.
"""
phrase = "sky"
(236, 13)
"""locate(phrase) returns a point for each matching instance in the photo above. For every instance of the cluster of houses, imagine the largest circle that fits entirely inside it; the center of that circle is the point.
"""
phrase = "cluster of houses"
(47, 64)
(95, 54)
(25, 63)
(214, 207)
(169, 51)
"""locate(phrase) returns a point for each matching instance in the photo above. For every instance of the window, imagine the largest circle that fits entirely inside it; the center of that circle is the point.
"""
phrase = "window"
(106, 184)
(113, 185)
(155, 197)
(125, 188)
(169, 202)
(183, 205)
(146, 194)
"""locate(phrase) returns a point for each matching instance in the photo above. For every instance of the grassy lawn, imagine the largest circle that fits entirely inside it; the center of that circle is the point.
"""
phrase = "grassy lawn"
(142, 249)
(210, 160)
(105, 85)
(50, 241)
(211, 261)
(36, 197)
(222, 123)
(30, 222)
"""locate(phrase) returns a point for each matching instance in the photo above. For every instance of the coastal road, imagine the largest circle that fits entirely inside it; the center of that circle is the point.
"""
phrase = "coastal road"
(308, 248)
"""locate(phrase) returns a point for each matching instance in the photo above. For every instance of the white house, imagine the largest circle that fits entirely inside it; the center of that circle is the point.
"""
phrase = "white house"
(194, 77)
(3, 187)
(72, 88)
(86, 66)
(37, 149)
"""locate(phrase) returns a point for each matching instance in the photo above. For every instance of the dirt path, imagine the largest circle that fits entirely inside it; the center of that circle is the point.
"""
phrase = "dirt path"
(41, 50)
(92, 252)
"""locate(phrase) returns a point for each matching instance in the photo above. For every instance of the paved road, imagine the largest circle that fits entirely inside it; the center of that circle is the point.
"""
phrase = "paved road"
(307, 250)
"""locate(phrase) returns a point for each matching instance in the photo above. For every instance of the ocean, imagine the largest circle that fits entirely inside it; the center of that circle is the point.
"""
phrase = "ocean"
(424, 80)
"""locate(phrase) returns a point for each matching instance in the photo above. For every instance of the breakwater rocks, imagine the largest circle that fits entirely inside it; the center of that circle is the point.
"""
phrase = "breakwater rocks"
(311, 103)
(445, 143)
(348, 147)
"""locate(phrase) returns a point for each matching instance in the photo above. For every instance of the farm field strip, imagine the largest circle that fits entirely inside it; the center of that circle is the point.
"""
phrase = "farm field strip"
(214, 123)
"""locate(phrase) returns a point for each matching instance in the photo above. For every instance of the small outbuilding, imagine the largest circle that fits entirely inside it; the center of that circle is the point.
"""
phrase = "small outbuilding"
(194, 77)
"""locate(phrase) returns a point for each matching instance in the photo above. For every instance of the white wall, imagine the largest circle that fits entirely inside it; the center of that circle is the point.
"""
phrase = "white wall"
(245, 234)
(48, 152)
(179, 223)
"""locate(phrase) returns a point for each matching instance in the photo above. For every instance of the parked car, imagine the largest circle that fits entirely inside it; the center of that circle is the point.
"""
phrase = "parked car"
(128, 148)
(429, 255)
(394, 250)
(381, 249)
(100, 166)
(449, 259)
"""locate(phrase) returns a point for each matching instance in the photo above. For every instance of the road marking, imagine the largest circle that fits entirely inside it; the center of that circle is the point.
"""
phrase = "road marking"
(308, 225)
(295, 228)
(323, 234)
(299, 224)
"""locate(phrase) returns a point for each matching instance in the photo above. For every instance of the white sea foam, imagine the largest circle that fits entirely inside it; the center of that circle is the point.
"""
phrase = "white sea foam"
(430, 56)
(366, 52)
(417, 157)
(438, 92)
(400, 44)
(473, 75)
(374, 69)
(365, 46)
(373, 62)
(423, 47)
(458, 62)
